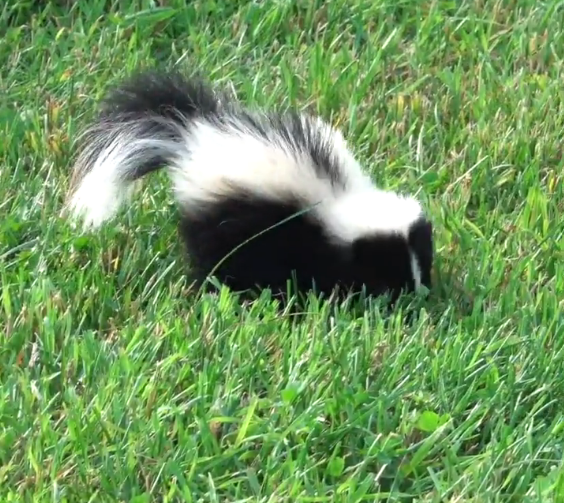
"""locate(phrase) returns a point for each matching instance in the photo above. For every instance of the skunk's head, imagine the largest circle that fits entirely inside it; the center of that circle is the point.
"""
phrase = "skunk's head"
(388, 243)
(392, 263)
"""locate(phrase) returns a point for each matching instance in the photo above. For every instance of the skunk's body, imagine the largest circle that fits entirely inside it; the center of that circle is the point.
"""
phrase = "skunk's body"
(264, 198)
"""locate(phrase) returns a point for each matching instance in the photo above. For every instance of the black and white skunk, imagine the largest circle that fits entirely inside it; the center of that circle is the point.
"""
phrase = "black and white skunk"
(265, 198)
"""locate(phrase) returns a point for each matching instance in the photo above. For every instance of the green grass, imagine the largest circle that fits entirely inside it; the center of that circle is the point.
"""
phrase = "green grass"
(117, 386)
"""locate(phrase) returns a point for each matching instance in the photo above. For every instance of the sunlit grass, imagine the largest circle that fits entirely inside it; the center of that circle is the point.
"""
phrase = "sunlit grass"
(117, 386)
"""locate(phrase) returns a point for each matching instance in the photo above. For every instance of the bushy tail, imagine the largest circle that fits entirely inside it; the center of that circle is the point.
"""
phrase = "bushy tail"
(142, 127)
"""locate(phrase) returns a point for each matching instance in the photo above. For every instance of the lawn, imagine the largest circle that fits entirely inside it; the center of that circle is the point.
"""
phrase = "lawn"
(115, 385)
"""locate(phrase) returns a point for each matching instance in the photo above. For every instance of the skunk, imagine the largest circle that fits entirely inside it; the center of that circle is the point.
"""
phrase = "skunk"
(264, 198)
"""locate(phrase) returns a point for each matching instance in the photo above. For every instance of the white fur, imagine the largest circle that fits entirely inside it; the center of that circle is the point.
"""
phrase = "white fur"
(222, 162)
(416, 271)
(102, 191)
(368, 211)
